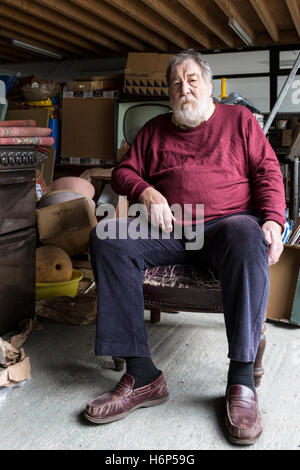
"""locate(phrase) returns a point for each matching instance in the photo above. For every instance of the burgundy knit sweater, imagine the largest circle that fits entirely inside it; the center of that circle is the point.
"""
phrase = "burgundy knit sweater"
(226, 163)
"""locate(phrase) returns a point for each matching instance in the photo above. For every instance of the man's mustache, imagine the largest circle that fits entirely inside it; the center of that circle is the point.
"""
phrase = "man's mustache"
(187, 99)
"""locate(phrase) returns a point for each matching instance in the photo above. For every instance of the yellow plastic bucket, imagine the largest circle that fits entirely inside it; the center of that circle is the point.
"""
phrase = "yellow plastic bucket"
(46, 290)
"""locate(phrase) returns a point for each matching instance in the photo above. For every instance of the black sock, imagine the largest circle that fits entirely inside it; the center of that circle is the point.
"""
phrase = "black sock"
(142, 369)
(241, 373)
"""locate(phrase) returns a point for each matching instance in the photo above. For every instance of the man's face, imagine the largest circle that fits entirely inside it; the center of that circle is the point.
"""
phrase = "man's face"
(190, 94)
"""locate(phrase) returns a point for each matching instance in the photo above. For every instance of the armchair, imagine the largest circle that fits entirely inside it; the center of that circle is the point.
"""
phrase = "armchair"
(186, 288)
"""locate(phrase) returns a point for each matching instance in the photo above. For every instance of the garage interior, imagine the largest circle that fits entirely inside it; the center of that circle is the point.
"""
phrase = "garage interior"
(253, 47)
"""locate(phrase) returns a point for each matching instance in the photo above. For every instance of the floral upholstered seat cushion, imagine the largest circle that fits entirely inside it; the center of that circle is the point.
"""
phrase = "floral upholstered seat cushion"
(181, 276)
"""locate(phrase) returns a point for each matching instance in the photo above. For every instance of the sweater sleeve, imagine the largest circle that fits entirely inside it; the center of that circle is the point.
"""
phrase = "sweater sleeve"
(129, 177)
(266, 176)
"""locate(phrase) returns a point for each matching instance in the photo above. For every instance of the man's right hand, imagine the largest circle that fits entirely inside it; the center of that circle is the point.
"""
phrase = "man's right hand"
(159, 212)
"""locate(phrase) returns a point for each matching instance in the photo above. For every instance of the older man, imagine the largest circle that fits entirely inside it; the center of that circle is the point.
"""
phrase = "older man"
(201, 153)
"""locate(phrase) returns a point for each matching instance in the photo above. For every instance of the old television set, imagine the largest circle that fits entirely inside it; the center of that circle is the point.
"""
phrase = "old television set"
(130, 115)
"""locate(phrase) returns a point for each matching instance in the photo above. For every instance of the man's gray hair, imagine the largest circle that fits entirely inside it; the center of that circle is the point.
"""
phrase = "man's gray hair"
(185, 55)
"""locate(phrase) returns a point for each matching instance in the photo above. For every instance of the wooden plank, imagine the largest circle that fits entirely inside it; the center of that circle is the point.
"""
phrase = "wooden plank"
(285, 37)
(6, 33)
(153, 21)
(266, 18)
(231, 11)
(39, 24)
(59, 20)
(203, 15)
(294, 9)
(6, 56)
(120, 20)
(64, 8)
(168, 11)
(18, 53)
(42, 40)
(76, 21)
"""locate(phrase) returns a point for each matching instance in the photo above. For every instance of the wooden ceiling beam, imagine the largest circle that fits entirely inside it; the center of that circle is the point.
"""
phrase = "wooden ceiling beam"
(294, 9)
(7, 57)
(171, 14)
(231, 11)
(20, 54)
(5, 50)
(266, 18)
(25, 17)
(20, 57)
(285, 37)
(201, 13)
(45, 39)
(53, 18)
(5, 32)
(153, 21)
(113, 17)
(86, 24)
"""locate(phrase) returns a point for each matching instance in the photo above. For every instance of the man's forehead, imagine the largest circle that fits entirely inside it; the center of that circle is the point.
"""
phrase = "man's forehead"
(186, 68)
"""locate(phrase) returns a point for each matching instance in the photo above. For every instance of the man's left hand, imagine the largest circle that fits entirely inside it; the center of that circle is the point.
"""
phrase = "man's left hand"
(272, 232)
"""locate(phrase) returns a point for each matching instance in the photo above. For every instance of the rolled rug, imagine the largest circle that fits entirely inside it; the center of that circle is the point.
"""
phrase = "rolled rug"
(46, 141)
(25, 131)
(18, 123)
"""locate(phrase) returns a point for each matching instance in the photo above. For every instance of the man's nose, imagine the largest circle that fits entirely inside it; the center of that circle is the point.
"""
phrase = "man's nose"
(185, 88)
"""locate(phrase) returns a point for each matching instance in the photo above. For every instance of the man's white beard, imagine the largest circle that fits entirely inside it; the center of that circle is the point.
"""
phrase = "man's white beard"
(190, 112)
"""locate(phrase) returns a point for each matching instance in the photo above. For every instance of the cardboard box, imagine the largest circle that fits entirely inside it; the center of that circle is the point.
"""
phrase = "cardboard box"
(286, 137)
(106, 76)
(87, 128)
(67, 225)
(145, 74)
(41, 116)
(47, 167)
(107, 84)
(284, 298)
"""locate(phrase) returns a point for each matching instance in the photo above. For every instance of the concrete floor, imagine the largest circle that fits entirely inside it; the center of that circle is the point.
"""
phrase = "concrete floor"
(191, 349)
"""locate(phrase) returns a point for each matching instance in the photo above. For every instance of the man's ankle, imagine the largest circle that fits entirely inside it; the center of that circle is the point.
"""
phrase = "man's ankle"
(142, 369)
(241, 373)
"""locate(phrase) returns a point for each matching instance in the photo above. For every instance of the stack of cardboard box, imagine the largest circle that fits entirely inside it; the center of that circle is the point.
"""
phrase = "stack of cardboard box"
(145, 74)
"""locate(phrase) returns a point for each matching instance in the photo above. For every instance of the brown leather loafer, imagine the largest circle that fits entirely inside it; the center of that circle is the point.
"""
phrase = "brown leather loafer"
(243, 421)
(124, 399)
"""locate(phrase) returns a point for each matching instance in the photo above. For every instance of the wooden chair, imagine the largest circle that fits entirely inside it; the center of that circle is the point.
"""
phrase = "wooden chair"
(185, 288)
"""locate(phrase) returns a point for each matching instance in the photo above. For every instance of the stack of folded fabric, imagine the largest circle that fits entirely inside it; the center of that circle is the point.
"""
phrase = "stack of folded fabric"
(25, 132)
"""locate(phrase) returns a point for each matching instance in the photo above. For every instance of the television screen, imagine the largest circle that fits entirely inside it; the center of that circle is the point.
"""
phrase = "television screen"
(130, 116)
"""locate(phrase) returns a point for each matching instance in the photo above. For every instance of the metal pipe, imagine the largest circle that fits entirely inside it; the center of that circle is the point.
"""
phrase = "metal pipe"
(294, 203)
(282, 94)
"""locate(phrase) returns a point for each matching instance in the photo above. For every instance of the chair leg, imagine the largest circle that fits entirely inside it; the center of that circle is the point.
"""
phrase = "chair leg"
(155, 315)
(119, 363)
(258, 368)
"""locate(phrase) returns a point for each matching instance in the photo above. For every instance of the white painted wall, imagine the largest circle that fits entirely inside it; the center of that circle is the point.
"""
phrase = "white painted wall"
(238, 62)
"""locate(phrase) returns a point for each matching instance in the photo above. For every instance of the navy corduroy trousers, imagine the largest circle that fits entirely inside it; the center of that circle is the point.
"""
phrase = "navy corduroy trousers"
(234, 247)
